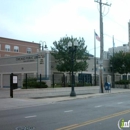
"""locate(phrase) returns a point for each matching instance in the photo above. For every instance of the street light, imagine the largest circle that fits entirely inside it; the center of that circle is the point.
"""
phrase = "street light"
(72, 50)
(43, 46)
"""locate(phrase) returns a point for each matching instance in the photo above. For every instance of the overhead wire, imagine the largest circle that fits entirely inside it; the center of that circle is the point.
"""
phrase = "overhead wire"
(115, 38)
(116, 22)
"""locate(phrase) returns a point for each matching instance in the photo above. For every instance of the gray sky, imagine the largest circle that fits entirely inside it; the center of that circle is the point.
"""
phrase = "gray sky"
(49, 20)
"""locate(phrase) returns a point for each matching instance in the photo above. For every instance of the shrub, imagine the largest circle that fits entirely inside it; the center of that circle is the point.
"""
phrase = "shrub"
(122, 82)
(33, 83)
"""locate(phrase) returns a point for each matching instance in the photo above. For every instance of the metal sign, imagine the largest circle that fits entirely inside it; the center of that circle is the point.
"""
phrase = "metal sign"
(15, 79)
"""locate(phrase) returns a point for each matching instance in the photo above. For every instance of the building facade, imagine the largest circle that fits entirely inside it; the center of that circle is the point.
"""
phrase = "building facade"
(129, 34)
(12, 47)
(44, 63)
(31, 64)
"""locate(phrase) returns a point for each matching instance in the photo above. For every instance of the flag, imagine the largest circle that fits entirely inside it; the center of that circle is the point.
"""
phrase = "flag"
(97, 37)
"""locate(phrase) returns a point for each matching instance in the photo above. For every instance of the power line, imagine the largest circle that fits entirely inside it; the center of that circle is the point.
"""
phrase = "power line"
(117, 23)
(93, 49)
(115, 38)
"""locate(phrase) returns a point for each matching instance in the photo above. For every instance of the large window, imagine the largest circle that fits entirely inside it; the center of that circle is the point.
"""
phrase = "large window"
(29, 50)
(7, 47)
(16, 49)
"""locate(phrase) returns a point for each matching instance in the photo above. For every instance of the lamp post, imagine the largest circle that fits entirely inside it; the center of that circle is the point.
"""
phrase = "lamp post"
(72, 50)
(43, 46)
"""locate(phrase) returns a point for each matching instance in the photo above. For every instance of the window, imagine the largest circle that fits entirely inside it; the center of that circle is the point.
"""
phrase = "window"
(7, 47)
(16, 49)
(0, 46)
(29, 50)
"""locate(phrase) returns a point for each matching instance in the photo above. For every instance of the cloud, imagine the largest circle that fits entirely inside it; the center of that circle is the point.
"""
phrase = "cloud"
(49, 20)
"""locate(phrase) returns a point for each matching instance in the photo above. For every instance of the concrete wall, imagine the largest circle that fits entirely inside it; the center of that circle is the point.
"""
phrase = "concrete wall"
(31, 64)
(6, 80)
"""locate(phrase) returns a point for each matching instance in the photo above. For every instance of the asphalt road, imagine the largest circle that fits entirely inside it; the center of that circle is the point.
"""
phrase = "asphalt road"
(96, 113)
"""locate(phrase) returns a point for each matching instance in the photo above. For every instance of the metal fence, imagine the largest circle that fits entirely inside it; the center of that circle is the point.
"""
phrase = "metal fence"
(66, 80)
(57, 80)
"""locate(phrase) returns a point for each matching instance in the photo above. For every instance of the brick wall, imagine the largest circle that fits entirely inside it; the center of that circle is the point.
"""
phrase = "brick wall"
(23, 45)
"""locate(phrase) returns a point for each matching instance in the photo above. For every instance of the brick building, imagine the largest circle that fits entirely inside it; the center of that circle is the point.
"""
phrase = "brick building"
(13, 47)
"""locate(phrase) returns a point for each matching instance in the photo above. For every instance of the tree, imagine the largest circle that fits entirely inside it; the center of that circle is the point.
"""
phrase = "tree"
(121, 62)
(61, 53)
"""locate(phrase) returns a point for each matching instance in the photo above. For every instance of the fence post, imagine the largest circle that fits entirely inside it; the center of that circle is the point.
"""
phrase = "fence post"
(53, 80)
(26, 80)
(64, 79)
(11, 85)
(40, 80)
(83, 80)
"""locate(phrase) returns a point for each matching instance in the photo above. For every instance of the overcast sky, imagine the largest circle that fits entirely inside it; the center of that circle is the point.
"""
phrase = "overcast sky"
(49, 20)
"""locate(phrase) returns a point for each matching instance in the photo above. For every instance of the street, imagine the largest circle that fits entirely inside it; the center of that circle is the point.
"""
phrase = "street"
(95, 113)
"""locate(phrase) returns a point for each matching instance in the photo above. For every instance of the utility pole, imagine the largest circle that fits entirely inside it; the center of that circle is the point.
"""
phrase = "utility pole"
(113, 75)
(101, 77)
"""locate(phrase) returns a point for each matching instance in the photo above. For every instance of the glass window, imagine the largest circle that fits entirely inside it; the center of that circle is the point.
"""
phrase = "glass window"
(16, 49)
(7, 47)
(29, 50)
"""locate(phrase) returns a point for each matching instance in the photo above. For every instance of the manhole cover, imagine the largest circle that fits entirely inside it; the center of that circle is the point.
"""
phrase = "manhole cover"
(25, 128)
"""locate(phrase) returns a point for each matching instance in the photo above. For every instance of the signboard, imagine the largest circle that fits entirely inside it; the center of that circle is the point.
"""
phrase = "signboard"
(15, 79)
(29, 58)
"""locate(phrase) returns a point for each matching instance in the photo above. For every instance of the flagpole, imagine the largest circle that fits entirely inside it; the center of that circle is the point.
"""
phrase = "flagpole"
(94, 59)
(113, 45)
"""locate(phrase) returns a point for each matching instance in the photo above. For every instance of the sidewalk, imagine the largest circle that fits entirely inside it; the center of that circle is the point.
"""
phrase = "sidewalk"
(36, 97)
(47, 92)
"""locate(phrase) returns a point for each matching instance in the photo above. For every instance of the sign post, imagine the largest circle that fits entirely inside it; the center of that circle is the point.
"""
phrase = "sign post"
(13, 83)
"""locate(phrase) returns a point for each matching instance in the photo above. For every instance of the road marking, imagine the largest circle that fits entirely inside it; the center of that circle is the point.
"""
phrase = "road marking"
(74, 126)
(98, 106)
(119, 102)
(30, 116)
(68, 111)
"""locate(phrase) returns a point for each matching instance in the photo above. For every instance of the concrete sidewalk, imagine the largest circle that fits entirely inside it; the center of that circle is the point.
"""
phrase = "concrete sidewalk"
(36, 97)
(47, 92)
